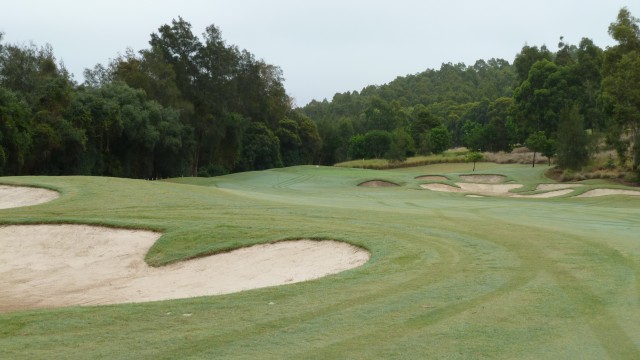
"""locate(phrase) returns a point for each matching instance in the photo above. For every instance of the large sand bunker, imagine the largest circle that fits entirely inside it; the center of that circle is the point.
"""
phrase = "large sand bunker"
(605, 192)
(60, 265)
(492, 190)
(377, 183)
(484, 179)
(18, 196)
(484, 189)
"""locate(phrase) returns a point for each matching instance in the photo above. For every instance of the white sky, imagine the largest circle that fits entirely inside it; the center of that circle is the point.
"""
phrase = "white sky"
(322, 46)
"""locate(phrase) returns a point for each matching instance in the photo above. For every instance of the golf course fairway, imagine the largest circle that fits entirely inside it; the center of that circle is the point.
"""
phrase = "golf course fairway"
(515, 275)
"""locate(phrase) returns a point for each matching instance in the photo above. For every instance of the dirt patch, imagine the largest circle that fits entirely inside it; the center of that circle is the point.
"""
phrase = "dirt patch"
(377, 183)
(432, 178)
(605, 192)
(44, 266)
(484, 179)
(547, 187)
(18, 196)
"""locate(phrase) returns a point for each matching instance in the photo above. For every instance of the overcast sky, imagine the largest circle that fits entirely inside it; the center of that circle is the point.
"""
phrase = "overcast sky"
(322, 46)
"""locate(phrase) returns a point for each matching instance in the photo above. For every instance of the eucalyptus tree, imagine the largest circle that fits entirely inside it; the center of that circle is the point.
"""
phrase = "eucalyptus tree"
(621, 76)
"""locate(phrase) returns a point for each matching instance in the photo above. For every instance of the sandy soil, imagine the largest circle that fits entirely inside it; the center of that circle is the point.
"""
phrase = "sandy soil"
(605, 192)
(18, 196)
(377, 183)
(432, 178)
(60, 265)
(484, 179)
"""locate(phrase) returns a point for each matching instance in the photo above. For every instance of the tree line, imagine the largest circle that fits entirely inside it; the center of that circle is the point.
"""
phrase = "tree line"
(190, 105)
(562, 103)
(184, 106)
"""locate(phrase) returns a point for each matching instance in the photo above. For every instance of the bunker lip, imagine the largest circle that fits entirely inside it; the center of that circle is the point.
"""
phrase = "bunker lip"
(18, 196)
(46, 266)
(377, 183)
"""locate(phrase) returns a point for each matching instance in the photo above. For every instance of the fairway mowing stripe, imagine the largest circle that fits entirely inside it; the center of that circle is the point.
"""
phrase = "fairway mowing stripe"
(423, 321)
(408, 287)
(364, 300)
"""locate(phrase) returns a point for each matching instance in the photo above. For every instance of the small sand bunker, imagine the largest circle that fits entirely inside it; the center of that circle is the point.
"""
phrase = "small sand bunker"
(60, 265)
(18, 196)
(547, 187)
(377, 183)
(546, 195)
(605, 192)
(484, 179)
(432, 178)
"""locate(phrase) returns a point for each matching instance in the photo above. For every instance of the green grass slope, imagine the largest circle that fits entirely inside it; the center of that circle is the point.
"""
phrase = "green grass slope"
(450, 276)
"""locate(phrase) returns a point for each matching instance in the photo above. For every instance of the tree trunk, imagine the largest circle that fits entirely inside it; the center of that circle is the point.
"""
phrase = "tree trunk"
(474, 166)
(533, 164)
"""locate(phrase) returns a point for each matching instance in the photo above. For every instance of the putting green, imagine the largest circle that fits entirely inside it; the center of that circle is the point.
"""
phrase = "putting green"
(449, 276)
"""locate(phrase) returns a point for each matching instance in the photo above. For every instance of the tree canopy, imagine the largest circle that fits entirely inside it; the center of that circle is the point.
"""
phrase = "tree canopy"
(194, 105)
(186, 105)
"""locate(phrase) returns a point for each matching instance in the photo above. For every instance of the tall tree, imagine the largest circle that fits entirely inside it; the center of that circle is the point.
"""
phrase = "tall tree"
(621, 76)
(572, 151)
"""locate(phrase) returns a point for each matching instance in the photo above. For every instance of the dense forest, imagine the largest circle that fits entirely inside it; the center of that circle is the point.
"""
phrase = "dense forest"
(184, 106)
(190, 105)
(566, 103)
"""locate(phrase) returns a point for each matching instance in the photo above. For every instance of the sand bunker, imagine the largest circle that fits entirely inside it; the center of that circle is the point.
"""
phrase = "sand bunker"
(547, 187)
(485, 189)
(432, 178)
(484, 179)
(546, 195)
(18, 196)
(491, 190)
(488, 188)
(605, 192)
(60, 265)
(441, 188)
(377, 183)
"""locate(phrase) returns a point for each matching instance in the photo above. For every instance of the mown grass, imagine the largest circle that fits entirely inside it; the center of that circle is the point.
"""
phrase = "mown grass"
(450, 276)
